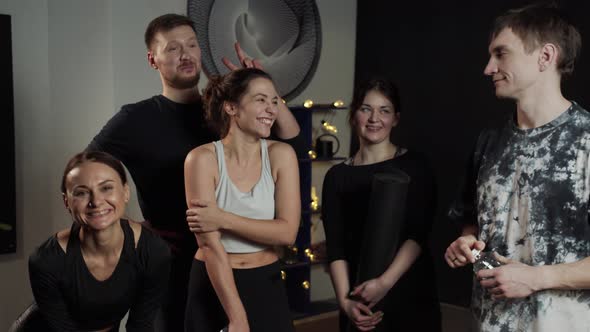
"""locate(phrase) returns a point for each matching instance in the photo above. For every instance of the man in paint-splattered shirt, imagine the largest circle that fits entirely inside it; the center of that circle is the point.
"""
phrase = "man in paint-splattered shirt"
(528, 187)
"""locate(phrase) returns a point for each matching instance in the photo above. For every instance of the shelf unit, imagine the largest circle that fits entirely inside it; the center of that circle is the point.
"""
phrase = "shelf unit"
(297, 275)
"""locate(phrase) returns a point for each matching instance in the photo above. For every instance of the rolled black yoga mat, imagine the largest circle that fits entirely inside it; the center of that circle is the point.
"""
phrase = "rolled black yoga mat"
(383, 226)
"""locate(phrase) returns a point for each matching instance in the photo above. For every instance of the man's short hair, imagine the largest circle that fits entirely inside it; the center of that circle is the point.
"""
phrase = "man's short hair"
(165, 23)
(538, 24)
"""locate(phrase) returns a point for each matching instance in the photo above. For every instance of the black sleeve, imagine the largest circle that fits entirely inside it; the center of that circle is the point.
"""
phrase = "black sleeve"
(463, 209)
(115, 136)
(332, 218)
(45, 267)
(154, 256)
(421, 203)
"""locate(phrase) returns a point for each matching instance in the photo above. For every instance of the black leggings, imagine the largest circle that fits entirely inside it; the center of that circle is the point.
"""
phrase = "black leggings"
(171, 315)
(262, 293)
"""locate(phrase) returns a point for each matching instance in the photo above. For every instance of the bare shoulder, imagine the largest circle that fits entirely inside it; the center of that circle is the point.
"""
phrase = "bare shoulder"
(279, 151)
(62, 238)
(202, 155)
(282, 158)
(136, 228)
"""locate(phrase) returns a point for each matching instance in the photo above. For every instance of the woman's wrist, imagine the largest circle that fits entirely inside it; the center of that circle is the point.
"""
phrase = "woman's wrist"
(241, 319)
(386, 281)
(238, 317)
(225, 222)
(342, 303)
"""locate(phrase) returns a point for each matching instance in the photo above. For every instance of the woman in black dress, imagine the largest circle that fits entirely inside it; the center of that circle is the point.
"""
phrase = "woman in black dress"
(406, 290)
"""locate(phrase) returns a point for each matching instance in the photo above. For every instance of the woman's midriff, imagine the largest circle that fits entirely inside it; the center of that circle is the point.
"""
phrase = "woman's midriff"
(247, 260)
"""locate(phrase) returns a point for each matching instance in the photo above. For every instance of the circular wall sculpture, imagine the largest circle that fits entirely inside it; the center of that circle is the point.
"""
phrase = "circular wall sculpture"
(284, 35)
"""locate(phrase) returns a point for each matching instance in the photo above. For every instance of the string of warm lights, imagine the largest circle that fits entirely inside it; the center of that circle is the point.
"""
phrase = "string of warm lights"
(312, 154)
(314, 205)
(309, 254)
(293, 251)
(305, 284)
(329, 127)
(336, 104)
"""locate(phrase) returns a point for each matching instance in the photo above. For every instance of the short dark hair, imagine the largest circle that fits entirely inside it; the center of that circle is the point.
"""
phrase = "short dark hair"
(538, 24)
(227, 88)
(165, 23)
(386, 87)
(93, 156)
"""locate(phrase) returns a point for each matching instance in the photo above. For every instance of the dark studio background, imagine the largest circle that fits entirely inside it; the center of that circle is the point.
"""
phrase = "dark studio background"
(436, 52)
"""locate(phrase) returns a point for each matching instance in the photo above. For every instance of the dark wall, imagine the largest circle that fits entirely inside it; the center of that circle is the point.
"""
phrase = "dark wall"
(7, 180)
(436, 51)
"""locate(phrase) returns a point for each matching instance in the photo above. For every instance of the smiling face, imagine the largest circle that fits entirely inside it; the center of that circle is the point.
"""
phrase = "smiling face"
(514, 71)
(95, 195)
(375, 118)
(257, 109)
(177, 56)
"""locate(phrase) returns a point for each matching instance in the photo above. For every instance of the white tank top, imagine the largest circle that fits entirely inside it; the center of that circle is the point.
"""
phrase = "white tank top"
(259, 203)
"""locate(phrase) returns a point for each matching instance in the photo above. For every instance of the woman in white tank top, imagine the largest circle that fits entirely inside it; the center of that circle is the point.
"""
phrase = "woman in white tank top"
(243, 198)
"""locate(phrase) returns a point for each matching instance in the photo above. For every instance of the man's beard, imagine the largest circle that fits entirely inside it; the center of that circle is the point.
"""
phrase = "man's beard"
(185, 82)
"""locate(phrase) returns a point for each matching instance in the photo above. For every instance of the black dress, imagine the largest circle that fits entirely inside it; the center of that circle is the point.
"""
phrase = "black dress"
(412, 303)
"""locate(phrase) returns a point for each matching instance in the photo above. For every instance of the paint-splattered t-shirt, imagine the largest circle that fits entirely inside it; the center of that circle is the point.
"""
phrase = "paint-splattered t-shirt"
(529, 194)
